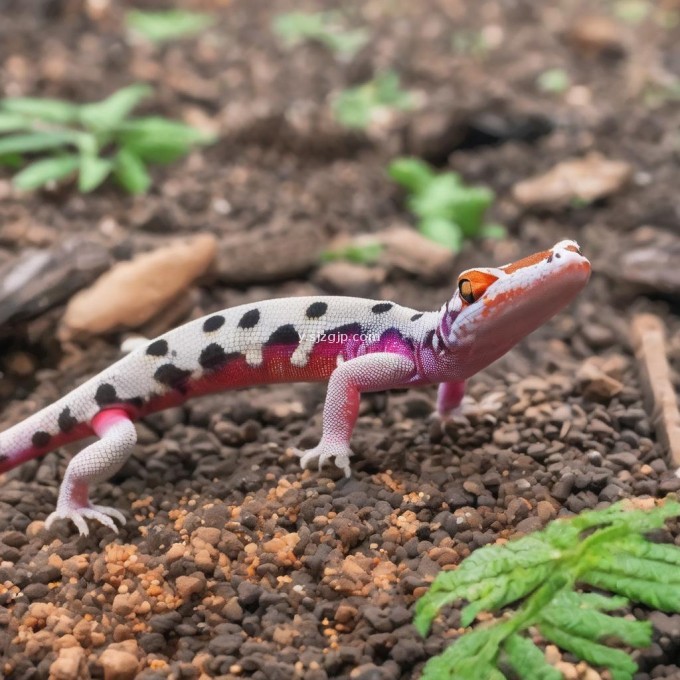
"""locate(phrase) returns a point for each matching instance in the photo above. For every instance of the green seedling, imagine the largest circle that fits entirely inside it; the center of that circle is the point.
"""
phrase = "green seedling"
(51, 140)
(632, 11)
(164, 26)
(358, 107)
(471, 43)
(448, 210)
(359, 253)
(326, 28)
(543, 575)
(553, 81)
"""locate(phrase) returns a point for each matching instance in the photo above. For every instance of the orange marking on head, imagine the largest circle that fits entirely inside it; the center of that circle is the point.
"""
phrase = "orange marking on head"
(526, 262)
(574, 249)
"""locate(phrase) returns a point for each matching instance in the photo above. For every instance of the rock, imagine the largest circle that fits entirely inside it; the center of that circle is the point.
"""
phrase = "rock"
(137, 290)
(40, 279)
(408, 251)
(190, 585)
(580, 179)
(350, 279)
(274, 252)
(597, 35)
(651, 262)
(70, 664)
(595, 383)
(119, 661)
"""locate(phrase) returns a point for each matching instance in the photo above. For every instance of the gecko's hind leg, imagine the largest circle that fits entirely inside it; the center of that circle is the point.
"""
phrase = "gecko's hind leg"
(94, 464)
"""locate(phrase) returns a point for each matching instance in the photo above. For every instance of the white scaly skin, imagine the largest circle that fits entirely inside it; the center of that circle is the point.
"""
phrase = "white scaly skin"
(357, 345)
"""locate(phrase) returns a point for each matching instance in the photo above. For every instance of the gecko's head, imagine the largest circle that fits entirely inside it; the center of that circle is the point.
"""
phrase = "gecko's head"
(495, 308)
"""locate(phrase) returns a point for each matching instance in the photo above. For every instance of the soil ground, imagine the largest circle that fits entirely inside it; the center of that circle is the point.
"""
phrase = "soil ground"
(235, 563)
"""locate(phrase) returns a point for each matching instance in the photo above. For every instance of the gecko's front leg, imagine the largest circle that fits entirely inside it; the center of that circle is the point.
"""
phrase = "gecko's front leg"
(369, 373)
(94, 464)
(449, 398)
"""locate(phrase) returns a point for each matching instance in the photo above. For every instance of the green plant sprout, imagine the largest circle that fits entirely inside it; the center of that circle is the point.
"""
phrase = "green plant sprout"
(553, 81)
(471, 43)
(325, 28)
(632, 11)
(448, 210)
(91, 140)
(603, 549)
(357, 107)
(360, 253)
(163, 26)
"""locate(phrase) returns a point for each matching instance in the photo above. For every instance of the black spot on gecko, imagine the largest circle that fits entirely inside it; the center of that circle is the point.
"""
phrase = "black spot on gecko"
(550, 258)
(348, 330)
(3, 457)
(382, 307)
(316, 310)
(41, 439)
(427, 341)
(66, 421)
(249, 319)
(106, 394)
(137, 402)
(284, 335)
(170, 375)
(214, 357)
(158, 348)
(213, 323)
(415, 317)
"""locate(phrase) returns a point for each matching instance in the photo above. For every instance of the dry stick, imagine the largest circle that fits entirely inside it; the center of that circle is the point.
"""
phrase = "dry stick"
(650, 350)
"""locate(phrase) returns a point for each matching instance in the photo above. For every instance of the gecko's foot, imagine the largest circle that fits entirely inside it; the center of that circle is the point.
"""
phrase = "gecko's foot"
(323, 452)
(78, 515)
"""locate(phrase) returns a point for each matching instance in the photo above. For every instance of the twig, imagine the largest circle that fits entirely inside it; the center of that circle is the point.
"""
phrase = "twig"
(650, 350)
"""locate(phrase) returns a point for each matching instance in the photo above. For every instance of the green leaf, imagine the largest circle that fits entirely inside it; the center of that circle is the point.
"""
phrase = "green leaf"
(554, 81)
(158, 140)
(528, 660)
(12, 122)
(93, 171)
(294, 28)
(360, 253)
(42, 172)
(621, 666)
(130, 171)
(411, 173)
(50, 110)
(165, 25)
(656, 595)
(356, 107)
(37, 141)
(468, 206)
(594, 625)
(442, 231)
(346, 43)
(11, 160)
(113, 110)
(436, 198)
(493, 231)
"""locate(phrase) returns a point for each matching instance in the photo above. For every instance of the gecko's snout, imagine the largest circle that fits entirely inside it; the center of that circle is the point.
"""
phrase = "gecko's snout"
(568, 257)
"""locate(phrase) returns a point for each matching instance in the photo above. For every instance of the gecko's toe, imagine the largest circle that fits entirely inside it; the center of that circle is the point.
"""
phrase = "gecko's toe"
(323, 453)
(100, 513)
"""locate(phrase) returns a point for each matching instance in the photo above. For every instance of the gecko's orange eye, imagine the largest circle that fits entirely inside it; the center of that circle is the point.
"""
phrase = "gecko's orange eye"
(473, 284)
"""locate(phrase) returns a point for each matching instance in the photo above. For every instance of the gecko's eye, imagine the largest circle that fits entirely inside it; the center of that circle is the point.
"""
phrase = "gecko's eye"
(473, 283)
(466, 291)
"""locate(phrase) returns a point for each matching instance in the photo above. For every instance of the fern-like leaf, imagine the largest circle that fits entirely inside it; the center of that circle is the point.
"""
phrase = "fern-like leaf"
(602, 548)
(529, 660)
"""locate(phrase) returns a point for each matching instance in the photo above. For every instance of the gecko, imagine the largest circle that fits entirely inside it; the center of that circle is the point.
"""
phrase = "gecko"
(355, 344)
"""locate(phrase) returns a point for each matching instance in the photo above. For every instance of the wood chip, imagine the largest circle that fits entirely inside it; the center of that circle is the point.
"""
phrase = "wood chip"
(578, 179)
(650, 350)
(132, 293)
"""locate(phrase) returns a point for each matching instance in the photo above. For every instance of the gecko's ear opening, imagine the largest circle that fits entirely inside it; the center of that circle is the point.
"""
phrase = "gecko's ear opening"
(473, 283)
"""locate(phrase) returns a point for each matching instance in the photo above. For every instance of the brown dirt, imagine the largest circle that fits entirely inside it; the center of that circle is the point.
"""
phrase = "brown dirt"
(234, 563)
